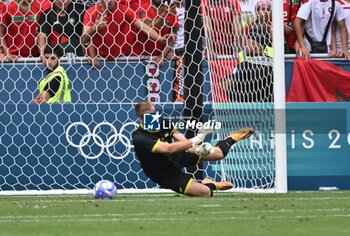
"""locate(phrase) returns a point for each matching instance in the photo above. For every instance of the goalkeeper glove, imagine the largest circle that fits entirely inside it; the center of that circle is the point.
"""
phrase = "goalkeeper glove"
(204, 149)
(201, 136)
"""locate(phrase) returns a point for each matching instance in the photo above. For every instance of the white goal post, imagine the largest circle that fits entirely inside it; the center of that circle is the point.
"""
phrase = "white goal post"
(280, 98)
(67, 148)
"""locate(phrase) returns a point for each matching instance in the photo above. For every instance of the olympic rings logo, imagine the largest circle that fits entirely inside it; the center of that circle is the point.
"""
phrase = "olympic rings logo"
(105, 145)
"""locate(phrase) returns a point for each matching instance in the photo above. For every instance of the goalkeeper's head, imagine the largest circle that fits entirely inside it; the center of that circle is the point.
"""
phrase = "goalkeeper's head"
(144, 107)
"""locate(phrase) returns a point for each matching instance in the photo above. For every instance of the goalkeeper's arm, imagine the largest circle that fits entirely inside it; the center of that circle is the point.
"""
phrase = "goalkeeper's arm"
(180, 137)
(183, 145)
(202, 133)
(205, 150)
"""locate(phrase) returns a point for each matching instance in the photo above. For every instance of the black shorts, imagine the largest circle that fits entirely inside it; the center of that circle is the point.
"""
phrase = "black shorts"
(185, 159)
(179, 181)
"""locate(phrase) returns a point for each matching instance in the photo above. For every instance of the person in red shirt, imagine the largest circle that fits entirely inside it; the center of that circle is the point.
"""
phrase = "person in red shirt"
(2, 55)
(161, 17)
(290, 10)
(1, 5)
(223, 27)
(106, 30)
(18, 28)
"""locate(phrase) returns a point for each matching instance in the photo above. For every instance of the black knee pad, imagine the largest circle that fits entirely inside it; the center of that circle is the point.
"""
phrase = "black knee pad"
(224, 146)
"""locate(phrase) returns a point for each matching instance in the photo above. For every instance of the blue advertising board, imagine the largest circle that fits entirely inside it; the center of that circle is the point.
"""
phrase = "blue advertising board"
(318, 141)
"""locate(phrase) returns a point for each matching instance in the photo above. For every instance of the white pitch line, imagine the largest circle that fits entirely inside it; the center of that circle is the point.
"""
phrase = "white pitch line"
(117, 200)
(158, 214)
(191, 217)
(208, 206)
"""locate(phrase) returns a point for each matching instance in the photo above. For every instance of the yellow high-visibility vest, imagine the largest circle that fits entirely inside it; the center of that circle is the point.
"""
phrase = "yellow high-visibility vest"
(64, 85)
(268, 51)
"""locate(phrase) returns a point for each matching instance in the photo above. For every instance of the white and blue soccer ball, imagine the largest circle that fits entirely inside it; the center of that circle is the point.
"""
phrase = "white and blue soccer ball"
(105, 189)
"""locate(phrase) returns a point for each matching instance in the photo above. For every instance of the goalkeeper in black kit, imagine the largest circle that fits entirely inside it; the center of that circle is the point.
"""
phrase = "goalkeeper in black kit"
(162, 159)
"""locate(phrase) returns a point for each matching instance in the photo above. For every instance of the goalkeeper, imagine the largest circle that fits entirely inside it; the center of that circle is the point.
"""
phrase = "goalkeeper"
(162, 159)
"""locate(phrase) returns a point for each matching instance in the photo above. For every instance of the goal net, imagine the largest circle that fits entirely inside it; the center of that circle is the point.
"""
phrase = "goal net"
(68, 147)
(241, 71)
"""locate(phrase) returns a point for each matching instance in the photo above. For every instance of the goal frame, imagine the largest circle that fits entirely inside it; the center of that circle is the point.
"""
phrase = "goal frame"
(279, 98)
(279, 119)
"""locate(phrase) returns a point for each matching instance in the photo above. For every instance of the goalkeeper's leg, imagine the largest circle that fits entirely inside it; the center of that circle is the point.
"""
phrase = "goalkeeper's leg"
(223, 146)
(219, 152)
(191, 187)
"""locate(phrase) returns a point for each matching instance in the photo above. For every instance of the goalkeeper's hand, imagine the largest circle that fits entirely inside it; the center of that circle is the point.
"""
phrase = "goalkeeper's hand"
(204, 149)
(201, 136)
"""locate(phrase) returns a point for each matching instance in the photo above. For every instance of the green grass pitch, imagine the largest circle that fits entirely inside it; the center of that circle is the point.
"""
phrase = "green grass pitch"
(295, 213)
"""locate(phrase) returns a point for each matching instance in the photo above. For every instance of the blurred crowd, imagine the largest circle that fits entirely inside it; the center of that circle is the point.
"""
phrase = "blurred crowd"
(115, 28)
(107, 28)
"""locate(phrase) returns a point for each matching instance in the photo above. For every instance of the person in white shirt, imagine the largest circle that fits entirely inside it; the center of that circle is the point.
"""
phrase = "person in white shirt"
(312, 19)
(346, 7)
(179, 45)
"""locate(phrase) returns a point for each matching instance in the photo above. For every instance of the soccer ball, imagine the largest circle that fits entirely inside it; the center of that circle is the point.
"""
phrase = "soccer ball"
(105, 189)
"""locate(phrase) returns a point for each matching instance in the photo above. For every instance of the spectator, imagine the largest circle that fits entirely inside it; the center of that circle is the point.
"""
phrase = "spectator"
(247, 6)
(52, 87)
(88, 3)
(346, 7)
(161, 17)
(290, 10)
(223, 27)
(247, 15)
(252, 80)
(62, 25)
(18, 29)
(2, 5)
(107, 30)
(179, 50)
(179, 46)
(311, 22)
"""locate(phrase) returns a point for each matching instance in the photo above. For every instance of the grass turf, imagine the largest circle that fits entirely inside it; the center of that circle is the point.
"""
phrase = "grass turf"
(296, 213)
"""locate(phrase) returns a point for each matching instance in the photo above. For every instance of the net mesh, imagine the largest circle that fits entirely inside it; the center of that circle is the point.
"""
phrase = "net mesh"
(72, 146)
(242, 85)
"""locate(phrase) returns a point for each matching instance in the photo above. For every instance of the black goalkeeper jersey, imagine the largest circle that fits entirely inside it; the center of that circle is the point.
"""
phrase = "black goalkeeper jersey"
(155, 165)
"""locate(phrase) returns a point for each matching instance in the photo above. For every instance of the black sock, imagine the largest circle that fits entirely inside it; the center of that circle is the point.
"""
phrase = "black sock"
(212, 187)
(225, 145)
(230, 141)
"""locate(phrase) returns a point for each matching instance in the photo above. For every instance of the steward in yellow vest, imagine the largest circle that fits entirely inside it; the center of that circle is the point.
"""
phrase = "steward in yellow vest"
(266, 52)
(55, 86)
(252, 79)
